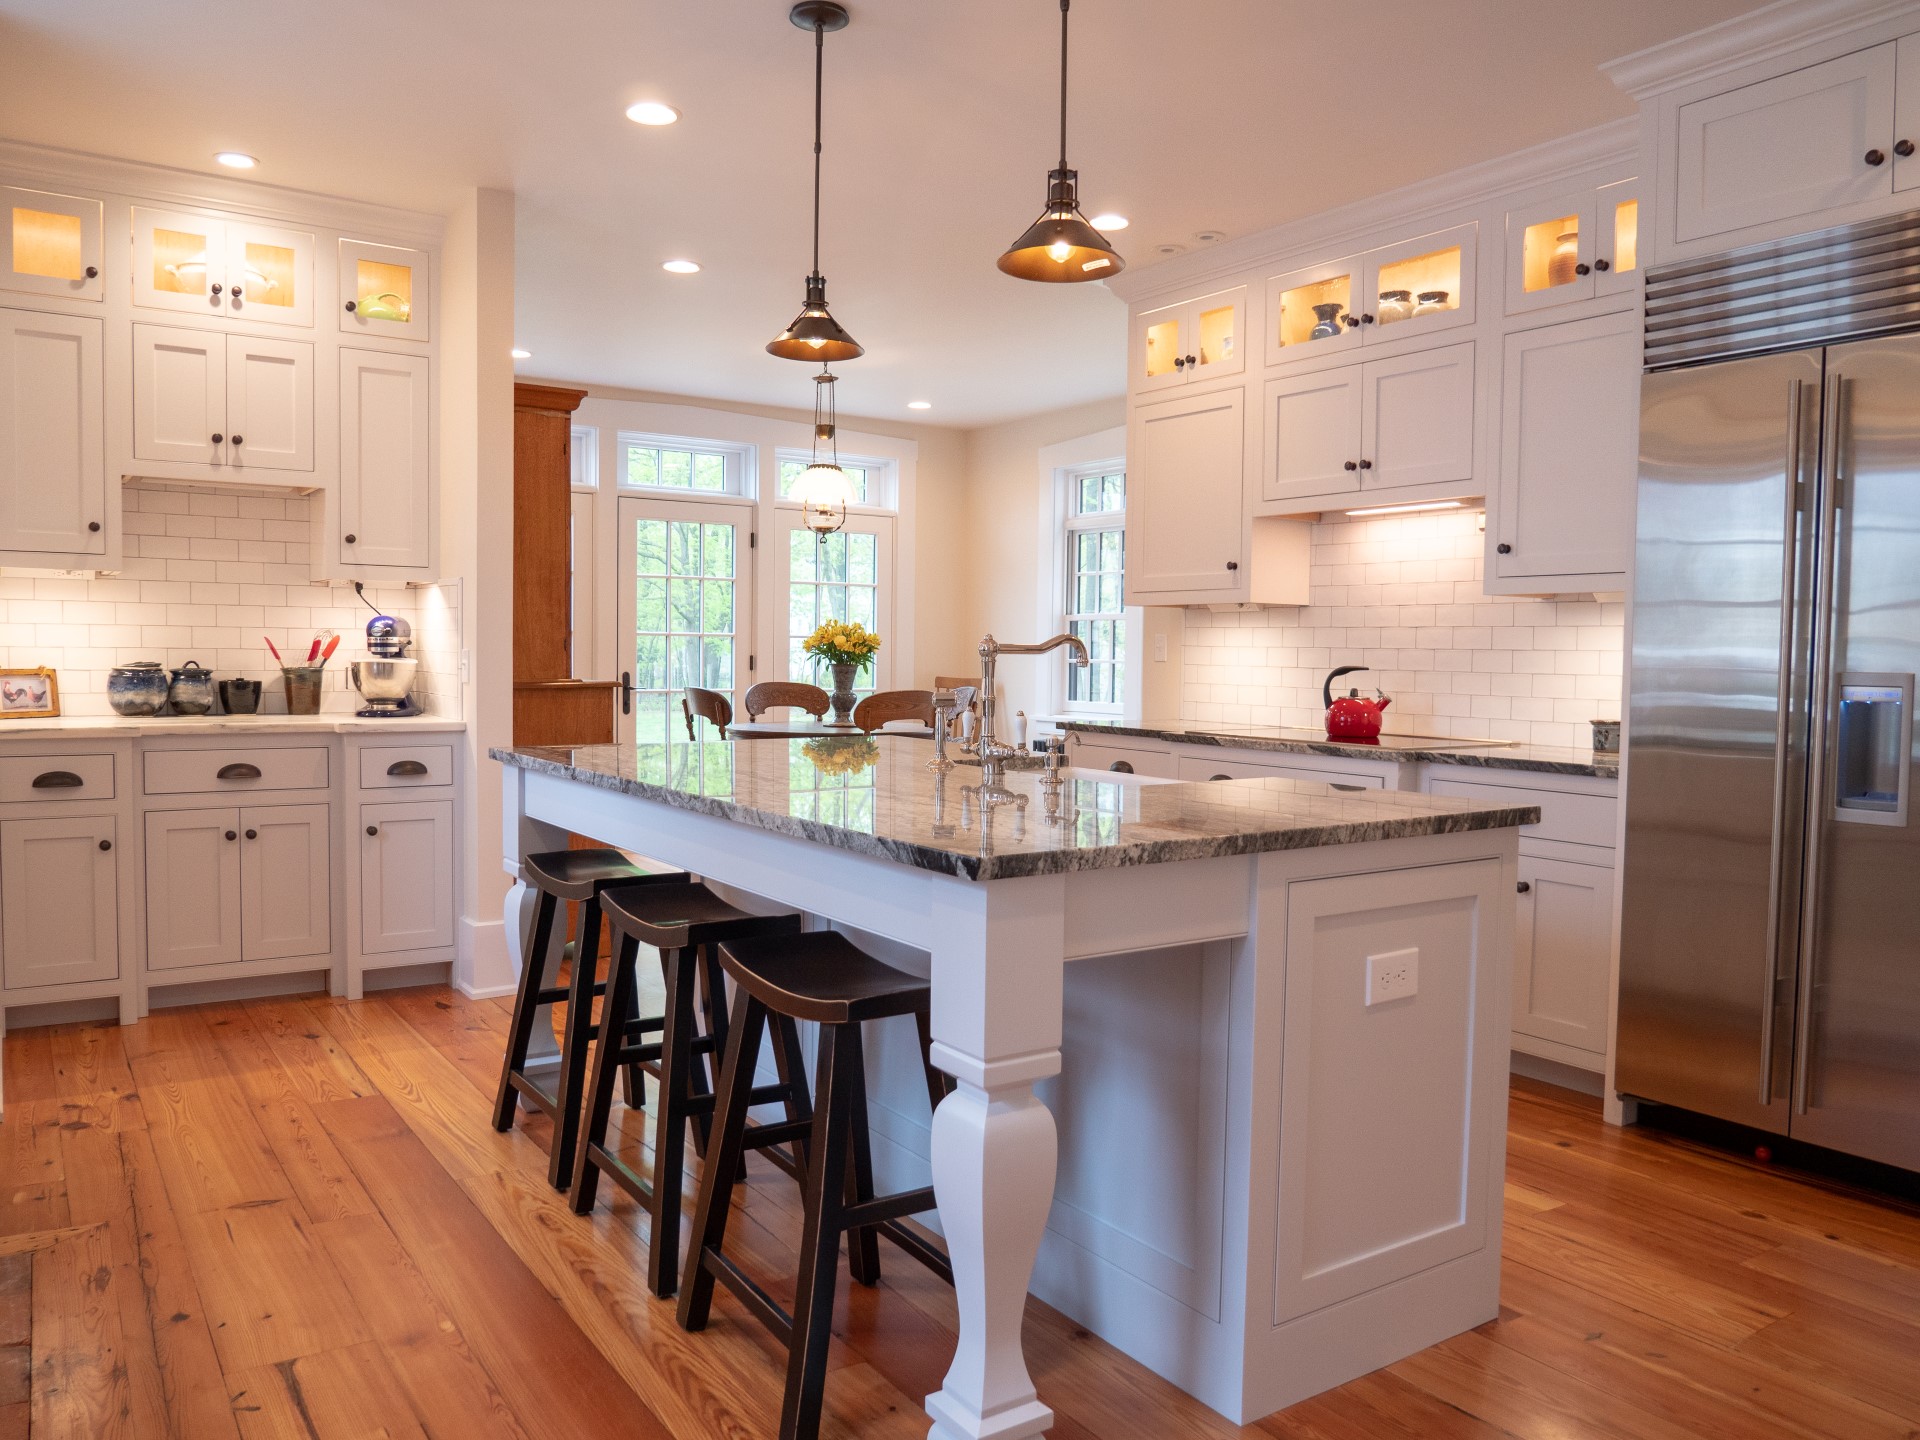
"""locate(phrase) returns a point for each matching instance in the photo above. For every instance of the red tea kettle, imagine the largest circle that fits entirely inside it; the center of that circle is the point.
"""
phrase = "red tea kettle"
(1350, 717)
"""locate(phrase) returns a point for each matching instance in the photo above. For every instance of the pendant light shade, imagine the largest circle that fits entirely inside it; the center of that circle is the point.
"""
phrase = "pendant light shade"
(823, 489)
(1061, 247)
(814, 334)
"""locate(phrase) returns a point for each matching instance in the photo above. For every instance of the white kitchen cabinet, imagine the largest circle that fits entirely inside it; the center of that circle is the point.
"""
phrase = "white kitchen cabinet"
(386, 508)
(226, 886)
(1186, 518)
(385, 290)
(53, 479)
(1282, 767)
(1563, 935)
(50, 244)
(1616, 260)
(236, 402)
(59, 901)
(1573, 246)
(1435, 275)
(1129, 755)
(221, 266)
(1313, 433)
(1416, 423)
(1906, 113)
(1192, 342)
(1569, 413)
(1815, 139)
(406, 876)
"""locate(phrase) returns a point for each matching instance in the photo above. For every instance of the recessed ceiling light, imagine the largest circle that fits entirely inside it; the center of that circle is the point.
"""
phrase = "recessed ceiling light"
(681, 267)
(1210, 237)
(1109, 221)
(236, 159)
(919, 404)
(523, 354)
(651, 112)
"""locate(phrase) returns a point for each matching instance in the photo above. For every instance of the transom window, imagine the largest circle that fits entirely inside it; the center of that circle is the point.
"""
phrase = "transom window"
(1095, 572)
(650, 462)
(858, 476)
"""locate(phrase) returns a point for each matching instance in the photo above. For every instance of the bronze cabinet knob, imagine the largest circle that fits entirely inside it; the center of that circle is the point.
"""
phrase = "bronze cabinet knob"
(1504, 548)
(239, 439)
(93, 272)
(1602, 265)
(349, 538)
(1233, 564)
(253, 834)
(93, 527)
(106, 844)
(218, 437)
(373, 829)
(1581, 269)
(1366, 464)
(351, 307)
(1524, 887)
(1353, 464)
(232, 836)
(1875, 157)
(1903, 148)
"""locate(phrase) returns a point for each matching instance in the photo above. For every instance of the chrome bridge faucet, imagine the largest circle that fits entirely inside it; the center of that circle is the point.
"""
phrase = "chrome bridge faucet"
(987, 747)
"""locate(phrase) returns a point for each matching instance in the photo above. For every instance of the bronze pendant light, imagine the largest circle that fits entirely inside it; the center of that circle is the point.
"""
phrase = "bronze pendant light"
(1061, 246)
(814, 335)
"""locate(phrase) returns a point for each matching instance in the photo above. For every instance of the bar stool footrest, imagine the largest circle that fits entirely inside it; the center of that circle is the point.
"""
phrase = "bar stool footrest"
(764, 1307)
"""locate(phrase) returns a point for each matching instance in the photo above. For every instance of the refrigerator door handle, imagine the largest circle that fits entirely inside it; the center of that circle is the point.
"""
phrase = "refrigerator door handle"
(1825, 643)
(1783, 729)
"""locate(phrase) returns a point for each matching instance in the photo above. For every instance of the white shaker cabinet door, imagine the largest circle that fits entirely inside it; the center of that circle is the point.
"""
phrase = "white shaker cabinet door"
(1186, 514)
(50, 244)
(1569, 453)
(1417, 419)
(1562, 953)
(406, 876)
(1797, 144)
(285, 881)
(269, 403)
(59, 901)
(53, 479)
(193, 888)
(386, 463)
(1313, 434)
(179, 261)
(179, 395)
(269, 274)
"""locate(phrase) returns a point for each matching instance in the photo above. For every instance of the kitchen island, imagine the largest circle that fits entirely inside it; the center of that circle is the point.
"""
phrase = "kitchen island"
(1268, 1017)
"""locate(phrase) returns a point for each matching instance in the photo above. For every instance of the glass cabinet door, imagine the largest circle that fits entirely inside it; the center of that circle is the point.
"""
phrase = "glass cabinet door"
(1550, 252)
(1421, 285)
(1616, 260)
(1159, 350)
(179, 261)
(1312, 311)
(1216, 326)
(50, 244)
(385, 290)
(269, 274)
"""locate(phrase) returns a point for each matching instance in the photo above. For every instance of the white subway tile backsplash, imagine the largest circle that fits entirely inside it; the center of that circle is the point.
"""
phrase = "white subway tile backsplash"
(1402, 594)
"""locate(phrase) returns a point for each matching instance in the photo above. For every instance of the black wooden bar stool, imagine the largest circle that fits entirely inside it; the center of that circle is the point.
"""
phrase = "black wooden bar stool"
(571, 876)
(825, 978)
(685, 922)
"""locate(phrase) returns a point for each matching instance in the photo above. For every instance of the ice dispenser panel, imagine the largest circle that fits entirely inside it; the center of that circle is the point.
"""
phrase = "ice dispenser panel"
(1874, 749)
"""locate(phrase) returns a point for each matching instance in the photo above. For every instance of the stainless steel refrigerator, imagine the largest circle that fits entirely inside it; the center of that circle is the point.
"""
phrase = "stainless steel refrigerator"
(1770, 940)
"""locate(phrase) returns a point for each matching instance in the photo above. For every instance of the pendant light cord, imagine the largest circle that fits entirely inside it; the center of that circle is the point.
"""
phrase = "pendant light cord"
(1063, 89)
(819, 70)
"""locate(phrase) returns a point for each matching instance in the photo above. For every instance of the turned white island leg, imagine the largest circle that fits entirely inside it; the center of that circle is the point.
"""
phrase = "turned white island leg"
(998, 967)
(527, 836)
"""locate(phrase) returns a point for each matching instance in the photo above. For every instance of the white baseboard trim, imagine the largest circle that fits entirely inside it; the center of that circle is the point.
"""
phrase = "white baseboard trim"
(1552, 1072)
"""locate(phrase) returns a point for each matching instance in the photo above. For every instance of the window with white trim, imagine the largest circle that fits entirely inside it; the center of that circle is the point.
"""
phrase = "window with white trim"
(583, 457)
(1096, 541)
(677, 465)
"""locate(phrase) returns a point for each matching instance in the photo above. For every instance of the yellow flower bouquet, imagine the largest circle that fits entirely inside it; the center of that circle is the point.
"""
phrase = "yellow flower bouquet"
(843, 642)
(842, 754)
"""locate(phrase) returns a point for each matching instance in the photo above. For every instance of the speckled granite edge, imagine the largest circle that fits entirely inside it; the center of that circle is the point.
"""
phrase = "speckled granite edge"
(1541, 760)
(1304, 834)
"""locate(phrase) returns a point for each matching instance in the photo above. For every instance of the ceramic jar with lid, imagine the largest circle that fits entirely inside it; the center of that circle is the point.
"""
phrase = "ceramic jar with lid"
(1394, 305)
(192, 690)
(137, 688)
(1432, 300)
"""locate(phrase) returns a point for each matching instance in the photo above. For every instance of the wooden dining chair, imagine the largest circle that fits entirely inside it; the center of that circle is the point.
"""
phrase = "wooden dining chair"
(970, 683)
(710, 705)
(877, 709)
(771, 694)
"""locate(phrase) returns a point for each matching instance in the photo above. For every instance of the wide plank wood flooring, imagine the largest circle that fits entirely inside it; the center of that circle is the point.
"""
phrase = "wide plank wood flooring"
(289, 1219)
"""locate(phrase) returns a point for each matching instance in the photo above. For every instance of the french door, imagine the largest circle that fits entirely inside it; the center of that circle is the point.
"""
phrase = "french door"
(847, 575)
(686, 603)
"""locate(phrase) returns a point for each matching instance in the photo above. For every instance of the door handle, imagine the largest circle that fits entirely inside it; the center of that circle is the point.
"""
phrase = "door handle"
(406, 767)
(626, 692)
(57, 780)
(239, 770)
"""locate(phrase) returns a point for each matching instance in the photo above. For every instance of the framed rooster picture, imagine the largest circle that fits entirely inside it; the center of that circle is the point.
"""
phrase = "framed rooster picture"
(29, 694)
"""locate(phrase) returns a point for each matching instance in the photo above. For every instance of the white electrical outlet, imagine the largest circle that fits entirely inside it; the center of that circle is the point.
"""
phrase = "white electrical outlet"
(1393, 976)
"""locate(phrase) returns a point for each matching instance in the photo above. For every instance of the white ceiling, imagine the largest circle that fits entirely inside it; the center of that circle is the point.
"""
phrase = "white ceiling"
(1186, 115)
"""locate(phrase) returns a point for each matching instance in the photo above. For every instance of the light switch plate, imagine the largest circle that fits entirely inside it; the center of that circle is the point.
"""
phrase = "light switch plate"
(1393, 976)
(1160, 645)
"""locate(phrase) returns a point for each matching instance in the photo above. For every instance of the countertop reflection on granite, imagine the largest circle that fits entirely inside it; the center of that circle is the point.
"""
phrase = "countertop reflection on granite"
(884, 802)
(1494, 755)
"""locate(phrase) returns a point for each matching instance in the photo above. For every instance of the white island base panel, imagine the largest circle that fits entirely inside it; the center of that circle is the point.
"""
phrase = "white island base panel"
(1265, 1186)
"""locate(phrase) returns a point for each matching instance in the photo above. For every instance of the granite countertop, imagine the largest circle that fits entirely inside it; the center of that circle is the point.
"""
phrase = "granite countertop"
(126, 727)
(1541, 759)
(880, 799)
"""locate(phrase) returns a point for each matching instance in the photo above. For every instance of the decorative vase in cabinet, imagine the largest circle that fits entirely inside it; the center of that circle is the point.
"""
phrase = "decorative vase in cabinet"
(1562, 265)
(1326, 322)
(1395, 305)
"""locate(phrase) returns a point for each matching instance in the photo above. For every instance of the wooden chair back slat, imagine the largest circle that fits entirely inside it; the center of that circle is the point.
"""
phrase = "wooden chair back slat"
(771, 694)
(876, 710)
(709, 705)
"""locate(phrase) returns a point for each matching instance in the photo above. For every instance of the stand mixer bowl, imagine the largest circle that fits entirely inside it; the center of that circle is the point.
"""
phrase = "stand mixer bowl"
(384, 684)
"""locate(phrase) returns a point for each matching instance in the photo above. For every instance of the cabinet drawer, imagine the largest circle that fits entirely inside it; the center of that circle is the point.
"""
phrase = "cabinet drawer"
(178, 772)
(56, 777)
(1576, 819)
(406, 766)
(1195, 767)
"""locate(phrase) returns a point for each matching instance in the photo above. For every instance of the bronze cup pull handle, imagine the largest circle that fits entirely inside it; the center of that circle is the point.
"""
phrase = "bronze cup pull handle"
(57, 780)
(406, 767)
(239, 770)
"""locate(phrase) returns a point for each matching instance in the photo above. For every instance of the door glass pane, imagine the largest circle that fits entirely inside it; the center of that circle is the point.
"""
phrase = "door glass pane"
(686, 619)
(1217, 337)
(1163, 344)
(382, 291)
(1549, 251)
(836, 577)
(47, 244)
(179, 262)
(270, 274)
(1626, 235)
(1419, 284)
(1315, 311)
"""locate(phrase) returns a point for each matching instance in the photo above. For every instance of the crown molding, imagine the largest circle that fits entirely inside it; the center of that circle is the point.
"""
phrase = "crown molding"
(75, 169)
(1614, 143)
(1752, 39)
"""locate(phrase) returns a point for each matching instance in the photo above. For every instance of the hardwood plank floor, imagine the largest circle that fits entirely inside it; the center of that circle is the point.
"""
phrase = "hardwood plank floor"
(291, 1218)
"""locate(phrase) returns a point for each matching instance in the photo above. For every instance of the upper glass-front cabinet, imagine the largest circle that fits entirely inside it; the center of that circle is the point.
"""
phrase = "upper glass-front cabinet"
(385, 290)
(1573, 247)
(1195, 340)
(1387, 294)
(50, 244)
(206, 265)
